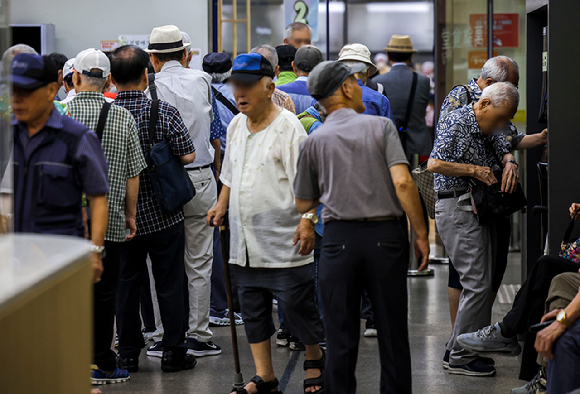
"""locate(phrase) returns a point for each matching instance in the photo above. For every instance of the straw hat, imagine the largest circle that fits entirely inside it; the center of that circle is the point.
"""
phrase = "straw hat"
(400, 44)
(358, 53)
(166, 39)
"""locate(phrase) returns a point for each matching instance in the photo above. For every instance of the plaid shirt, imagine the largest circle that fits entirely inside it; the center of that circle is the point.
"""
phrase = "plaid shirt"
(122, 150)
(457, 98)
(170, 127)
(283, 99)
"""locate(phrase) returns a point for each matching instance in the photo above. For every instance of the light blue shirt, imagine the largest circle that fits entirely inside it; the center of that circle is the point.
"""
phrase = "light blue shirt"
(298, 92)
(225, 114)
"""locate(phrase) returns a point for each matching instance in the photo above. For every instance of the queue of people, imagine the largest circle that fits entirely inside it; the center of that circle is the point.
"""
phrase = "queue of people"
(268, 141)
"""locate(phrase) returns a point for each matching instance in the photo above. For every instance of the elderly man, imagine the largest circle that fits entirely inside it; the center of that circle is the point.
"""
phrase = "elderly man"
(159, 235)
(375, 102)
(189, 91)
(279, 98)
(307, 57)
(120, 143)
(496, 69)
(65, 157)
(365, 243)
(298, 34)
(286, 54)
(463, 150)
(67, 81)
(259, 170)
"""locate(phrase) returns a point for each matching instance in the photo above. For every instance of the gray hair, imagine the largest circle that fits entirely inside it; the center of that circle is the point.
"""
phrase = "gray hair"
(220, 77)
(296, 26)
(186, 40)
(351, 63)
(269, 52)
(11, 53)
(95, 82)
(501, 94)
(497, 68)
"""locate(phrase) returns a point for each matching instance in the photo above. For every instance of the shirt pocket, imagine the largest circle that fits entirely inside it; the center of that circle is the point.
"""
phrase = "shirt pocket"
(56, 187)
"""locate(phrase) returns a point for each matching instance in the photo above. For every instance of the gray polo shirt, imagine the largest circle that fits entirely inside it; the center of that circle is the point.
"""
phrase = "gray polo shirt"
(345, 164)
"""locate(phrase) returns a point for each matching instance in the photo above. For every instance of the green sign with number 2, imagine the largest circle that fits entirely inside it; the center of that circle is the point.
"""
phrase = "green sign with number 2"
(304, 11)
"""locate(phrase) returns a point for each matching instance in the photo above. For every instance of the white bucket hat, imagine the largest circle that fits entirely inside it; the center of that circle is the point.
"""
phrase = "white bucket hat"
(166, 39)
(357, 53)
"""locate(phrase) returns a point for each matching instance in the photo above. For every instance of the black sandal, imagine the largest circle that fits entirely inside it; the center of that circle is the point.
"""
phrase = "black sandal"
(319, 381)
(261, 386)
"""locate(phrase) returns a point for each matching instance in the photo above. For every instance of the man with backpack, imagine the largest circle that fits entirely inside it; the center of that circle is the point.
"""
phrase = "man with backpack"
(117, 131)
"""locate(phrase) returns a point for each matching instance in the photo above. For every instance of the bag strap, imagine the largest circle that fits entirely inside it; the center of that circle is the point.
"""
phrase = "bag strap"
(569, 231)
(152, 87)
(410, 102)
(153, 116)
(222, 99)
(102, 120)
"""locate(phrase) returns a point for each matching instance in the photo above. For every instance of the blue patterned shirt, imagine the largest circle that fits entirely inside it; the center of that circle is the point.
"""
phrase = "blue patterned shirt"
(458, 97)
(217, 129)
(459, 140)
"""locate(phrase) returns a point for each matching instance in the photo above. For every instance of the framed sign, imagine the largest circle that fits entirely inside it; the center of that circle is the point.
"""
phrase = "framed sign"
(304, 11)
(139, 40)
(506, 30)
(109, 45)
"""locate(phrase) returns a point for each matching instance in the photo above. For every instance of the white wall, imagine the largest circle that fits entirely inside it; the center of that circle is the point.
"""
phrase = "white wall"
(82, 24)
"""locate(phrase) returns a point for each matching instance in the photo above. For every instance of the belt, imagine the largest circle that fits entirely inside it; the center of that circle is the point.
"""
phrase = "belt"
(198, 168)
(379, 219)
(451, 193)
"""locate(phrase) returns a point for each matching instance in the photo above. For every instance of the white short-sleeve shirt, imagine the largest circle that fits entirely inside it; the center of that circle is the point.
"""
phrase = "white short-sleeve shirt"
(260, 169)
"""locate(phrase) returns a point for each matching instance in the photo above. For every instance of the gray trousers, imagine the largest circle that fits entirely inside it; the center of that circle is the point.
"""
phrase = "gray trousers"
(469, 245)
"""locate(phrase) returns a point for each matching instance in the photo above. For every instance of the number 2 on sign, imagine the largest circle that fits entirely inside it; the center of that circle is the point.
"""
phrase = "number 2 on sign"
(301, 11)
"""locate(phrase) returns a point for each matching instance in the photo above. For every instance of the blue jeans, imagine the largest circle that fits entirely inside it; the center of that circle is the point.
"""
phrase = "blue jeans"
(563, 375)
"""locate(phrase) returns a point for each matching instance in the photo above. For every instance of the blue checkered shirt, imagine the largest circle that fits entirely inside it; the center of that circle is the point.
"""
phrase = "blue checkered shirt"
(170, 127)
(217, 129)
(459, 140)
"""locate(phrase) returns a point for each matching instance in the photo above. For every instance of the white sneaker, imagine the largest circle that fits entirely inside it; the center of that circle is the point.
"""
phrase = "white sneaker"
(371, 333)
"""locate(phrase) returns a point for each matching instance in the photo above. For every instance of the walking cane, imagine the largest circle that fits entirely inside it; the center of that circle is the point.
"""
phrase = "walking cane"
(224, 232)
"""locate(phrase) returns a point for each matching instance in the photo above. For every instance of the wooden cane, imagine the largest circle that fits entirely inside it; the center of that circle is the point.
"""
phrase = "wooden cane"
(238, 377)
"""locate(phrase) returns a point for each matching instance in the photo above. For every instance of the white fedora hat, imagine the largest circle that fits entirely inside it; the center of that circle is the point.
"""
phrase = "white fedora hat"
(166, 39)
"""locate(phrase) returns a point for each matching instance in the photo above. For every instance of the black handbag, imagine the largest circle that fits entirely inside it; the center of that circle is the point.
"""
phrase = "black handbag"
(490, 203)
(171, 184)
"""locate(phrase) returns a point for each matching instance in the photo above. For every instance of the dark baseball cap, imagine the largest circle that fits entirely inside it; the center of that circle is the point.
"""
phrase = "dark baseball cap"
(216, 62)
(327, 77)
(307, 57)
(250, 67)
(286, 52)
(30, 71)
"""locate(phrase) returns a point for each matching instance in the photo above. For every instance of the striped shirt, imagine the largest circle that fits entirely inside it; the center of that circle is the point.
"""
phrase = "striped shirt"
(170, 127)
(122, 149)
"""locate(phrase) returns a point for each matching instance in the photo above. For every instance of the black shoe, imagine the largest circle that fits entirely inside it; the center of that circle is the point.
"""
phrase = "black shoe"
(173, 362)
(295, 344)
(128, 364)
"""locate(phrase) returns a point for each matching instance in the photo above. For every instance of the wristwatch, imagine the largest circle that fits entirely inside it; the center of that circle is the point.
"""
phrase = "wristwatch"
(100, 250)
(563, 318)
(312, 217)
(514, 162)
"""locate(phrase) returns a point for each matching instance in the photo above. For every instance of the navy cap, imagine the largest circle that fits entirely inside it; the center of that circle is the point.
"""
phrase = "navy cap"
(217, 63)
(287, 52)
(30, 71)
(250, 68)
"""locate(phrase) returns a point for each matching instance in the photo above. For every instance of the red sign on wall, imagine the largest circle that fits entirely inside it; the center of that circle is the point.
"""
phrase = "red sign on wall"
(506, 30)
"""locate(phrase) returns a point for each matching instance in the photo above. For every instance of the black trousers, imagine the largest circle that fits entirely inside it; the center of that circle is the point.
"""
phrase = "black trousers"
(373, 256)
(166, 249)
(528, 306)
(147, 313)
(104, 308)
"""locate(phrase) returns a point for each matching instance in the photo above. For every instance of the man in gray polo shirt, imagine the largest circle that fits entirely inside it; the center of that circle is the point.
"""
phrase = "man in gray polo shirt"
(365, 241)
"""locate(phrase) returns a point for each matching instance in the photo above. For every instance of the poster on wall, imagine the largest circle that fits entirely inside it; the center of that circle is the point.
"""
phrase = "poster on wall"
(506, 30)
(305, 11)
(476, 60)
(139, 40)
(109, 45)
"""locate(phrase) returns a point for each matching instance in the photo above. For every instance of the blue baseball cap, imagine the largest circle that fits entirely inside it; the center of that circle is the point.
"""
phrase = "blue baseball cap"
(251, 67)
(30, 71)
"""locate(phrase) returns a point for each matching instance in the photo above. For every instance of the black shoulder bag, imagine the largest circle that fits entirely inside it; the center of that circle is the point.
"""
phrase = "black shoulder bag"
(171, 184)
(489, 202)
(222, 99)
(152, 87)
(102, 120)
(403, 126)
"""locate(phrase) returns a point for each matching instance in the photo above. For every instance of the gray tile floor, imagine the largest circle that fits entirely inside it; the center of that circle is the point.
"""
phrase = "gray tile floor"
(429, 330)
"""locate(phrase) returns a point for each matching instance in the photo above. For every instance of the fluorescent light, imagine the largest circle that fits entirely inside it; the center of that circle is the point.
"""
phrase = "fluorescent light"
(404, 7)
(334, 7)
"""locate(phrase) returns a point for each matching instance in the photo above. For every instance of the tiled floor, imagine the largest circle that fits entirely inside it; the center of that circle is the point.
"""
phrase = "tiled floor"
(429, 330)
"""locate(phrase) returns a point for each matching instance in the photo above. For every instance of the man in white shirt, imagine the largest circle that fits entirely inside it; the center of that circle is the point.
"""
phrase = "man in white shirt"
(259, 168)
(67, 81)
(190, 92)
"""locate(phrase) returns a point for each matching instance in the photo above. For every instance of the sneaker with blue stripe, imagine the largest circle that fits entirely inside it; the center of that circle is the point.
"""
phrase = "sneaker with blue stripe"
(98, 376)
